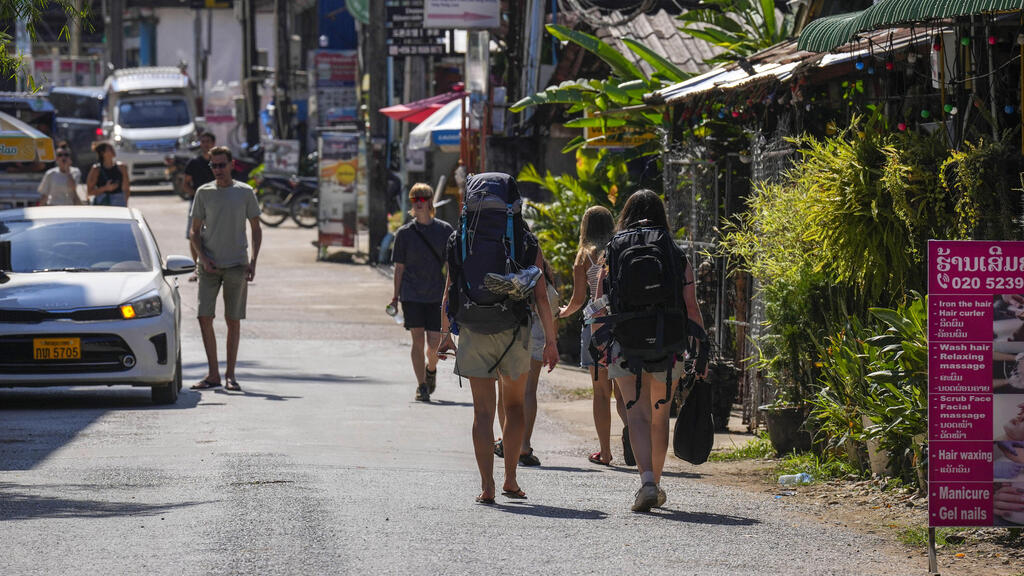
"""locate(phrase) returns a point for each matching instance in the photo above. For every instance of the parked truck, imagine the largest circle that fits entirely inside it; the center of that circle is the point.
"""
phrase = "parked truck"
(150, 113)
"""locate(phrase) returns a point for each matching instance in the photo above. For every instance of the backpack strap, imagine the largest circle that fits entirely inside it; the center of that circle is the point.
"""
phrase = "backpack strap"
(636, 366)
(509, 234)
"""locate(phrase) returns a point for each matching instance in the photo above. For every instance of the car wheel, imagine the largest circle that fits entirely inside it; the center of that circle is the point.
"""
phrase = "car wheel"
(168, 393)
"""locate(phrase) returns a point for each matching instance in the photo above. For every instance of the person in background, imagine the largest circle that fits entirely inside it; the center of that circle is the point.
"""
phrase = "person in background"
(526, 455)
(419, 257)
(59, 186)
(108, 183)
(596, 229)
(197, 173)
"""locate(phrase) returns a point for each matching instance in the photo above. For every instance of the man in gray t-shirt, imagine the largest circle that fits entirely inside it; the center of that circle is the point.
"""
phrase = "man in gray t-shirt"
(219, 213)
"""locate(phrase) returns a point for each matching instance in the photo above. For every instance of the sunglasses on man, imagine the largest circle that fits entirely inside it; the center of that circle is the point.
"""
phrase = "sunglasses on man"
(63, 155)
(420, 199)
(218, 165)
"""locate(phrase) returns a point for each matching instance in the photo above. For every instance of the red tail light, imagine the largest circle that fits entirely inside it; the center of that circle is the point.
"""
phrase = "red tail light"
(99, 133)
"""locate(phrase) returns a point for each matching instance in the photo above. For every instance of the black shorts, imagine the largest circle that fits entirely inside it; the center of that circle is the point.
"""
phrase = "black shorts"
(422, 315)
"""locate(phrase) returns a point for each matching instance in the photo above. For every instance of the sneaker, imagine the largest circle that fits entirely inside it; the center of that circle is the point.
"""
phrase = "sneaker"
(627, 448)
(662, 498)
(516, 285)
(422, 394)
(431, 381)
(646, 497)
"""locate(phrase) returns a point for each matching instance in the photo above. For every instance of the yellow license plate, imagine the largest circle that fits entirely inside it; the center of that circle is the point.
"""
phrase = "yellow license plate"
(57, 348)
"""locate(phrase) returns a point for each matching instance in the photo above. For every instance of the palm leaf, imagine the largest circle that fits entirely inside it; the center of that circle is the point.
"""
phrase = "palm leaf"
(568, 92)
(620, 65)
(661, 65)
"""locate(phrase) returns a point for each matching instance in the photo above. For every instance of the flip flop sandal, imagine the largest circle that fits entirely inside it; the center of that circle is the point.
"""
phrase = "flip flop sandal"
(596, 459)
(232, 385)
(517, 495)
(205, 385)
(481, 499)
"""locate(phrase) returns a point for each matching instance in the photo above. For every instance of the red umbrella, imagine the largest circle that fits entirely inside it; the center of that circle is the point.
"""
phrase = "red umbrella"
(420, 110)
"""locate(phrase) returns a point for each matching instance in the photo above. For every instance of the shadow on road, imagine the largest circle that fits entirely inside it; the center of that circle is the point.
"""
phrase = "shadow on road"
(450, 403)
(249, 393)
(567, 469)
(16, 504)
(542, 511)
(704, 518)
(252, 370)
(35, 422)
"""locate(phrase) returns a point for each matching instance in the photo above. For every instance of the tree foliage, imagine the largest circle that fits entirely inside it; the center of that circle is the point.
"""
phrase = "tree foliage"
(739, 27)
(12, 63)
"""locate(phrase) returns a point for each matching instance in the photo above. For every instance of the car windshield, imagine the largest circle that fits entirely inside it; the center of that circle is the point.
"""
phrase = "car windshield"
(77, 105)
(76, 245)
(153, 113)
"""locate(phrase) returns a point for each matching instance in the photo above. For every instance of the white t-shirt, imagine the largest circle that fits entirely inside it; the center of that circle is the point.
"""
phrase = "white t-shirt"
(57, 185)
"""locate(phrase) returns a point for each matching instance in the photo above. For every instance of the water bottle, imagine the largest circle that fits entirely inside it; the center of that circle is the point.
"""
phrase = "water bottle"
(392, 310)
(792, 479)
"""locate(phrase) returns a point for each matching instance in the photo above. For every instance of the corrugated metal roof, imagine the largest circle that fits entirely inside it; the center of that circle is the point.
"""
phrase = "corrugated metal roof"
(827, 34)
(660, 33)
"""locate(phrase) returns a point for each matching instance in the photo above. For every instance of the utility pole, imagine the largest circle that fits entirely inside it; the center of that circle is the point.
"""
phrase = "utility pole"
(115, 32)
(282, 72)
(250, 90)
(375, 61)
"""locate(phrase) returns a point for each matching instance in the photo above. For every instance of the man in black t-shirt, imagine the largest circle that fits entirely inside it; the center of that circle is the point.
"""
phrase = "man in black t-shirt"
(197, 173)
(419, 284)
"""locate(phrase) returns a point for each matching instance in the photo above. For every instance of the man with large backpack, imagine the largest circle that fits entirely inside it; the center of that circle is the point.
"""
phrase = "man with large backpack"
(650, 329)
(493, 323)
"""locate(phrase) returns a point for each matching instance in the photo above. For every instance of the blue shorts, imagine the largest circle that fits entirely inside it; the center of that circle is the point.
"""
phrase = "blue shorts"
(586, 360)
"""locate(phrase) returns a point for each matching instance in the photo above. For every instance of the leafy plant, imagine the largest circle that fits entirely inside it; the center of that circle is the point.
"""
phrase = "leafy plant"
(739, 27)
(845, 360)
(897, 403)
(982, 177)
(757, 449)
(821, 467)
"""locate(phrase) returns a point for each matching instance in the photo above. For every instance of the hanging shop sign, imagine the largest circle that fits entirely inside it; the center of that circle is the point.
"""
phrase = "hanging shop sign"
(335, 73)
(462, 14)
(975, 383)
(407, 35)
(281, 156)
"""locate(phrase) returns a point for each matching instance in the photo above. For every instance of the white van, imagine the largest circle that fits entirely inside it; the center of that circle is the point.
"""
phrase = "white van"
(149, 114)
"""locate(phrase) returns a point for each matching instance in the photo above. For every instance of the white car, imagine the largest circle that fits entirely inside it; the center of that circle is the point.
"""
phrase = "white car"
(85, 298)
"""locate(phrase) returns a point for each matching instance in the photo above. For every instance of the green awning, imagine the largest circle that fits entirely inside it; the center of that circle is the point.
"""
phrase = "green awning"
(827, 34)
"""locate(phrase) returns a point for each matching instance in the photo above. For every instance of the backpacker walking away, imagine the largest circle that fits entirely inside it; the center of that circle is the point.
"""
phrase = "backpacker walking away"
(419, 284)
(494, 265)
(654, 326)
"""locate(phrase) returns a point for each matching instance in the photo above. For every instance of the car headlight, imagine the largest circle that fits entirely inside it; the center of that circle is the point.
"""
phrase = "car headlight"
(143, 307)
(188, 141)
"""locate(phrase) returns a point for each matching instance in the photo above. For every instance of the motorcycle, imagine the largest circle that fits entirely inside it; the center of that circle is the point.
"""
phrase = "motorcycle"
(280, 198)
(248, 160)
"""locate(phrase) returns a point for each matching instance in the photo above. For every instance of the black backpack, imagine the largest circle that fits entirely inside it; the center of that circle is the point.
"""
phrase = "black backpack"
(491, 238)
(648, 316)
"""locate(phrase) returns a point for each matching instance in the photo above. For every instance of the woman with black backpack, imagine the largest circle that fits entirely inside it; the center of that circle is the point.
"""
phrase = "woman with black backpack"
(647, 283)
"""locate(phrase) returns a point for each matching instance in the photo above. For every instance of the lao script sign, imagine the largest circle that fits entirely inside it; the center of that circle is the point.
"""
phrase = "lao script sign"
(975, 383)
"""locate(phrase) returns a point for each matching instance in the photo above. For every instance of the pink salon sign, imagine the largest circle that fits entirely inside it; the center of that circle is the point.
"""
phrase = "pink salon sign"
(975, 383)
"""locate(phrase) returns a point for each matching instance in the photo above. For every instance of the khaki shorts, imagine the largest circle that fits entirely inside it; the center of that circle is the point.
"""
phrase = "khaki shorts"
(618, 369)
(478, 353)
(236, 287)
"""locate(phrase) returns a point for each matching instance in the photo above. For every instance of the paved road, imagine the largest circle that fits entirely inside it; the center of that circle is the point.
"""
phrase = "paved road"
(326, 465)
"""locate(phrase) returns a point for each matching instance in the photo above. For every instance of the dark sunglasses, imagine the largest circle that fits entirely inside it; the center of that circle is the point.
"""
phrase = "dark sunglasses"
(218, 165)
(63, 155)
(419, 199)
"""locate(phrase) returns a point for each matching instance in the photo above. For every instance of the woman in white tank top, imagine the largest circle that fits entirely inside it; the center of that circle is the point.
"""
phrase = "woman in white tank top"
(596, 230)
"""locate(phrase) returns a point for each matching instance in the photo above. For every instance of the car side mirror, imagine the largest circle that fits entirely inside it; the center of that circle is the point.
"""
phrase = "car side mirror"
(5, 260)
(175, 265)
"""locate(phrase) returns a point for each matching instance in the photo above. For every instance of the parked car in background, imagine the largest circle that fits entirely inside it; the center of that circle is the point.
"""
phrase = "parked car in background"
(150, 113)
(79, 111)
(19, 174)
(86, 298)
